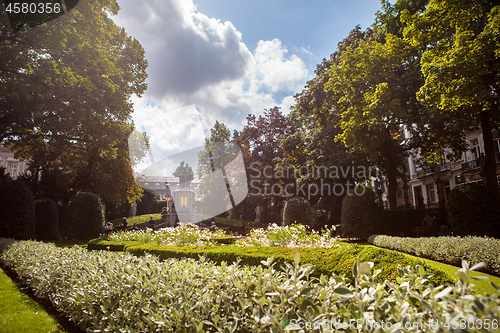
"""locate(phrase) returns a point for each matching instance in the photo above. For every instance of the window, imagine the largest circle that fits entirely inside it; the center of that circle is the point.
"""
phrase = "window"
(476, 150)
(400, 190)
(13, 170)
(446, 186)
(432, 192)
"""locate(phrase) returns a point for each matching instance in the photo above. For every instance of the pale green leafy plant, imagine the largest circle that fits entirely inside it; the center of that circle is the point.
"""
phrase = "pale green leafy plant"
(111, 292)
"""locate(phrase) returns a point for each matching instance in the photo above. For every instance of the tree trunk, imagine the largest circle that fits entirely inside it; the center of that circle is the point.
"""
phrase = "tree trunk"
(489, 154)
(392, 189)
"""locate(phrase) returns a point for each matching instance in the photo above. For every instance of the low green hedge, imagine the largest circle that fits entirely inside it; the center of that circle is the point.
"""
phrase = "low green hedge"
(327, 261)
(449, 250)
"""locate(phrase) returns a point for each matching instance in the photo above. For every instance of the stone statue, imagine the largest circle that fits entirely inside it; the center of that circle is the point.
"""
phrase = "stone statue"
(189, 174)
(185, 174)
(258, 211)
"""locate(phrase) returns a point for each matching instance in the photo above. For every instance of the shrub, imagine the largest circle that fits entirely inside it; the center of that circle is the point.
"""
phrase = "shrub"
(472, 210)
(320, 217)
(361, 216)
(450, 250)
(147, 200)
(17, 216)
(157, 206)
(46, 220)
(297, 210)
(84, 217)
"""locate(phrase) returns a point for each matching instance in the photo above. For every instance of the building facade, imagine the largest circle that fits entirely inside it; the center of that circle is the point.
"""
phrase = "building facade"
(163, 186)
(430, 186)
(12, 166)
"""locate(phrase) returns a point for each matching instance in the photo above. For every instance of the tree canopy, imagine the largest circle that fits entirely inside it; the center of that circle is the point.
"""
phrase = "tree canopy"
(64, 100)
(461, 65)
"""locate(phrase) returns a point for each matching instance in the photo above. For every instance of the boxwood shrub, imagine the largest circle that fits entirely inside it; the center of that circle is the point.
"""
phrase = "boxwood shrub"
(84, 218)
(17, 216)
(297, 210)
(449, 250)
(361, 216)
(46, 220)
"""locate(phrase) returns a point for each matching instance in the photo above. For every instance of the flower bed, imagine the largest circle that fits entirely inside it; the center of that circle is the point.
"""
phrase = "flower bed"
(291, 236)
(104, 291)
(183, 235)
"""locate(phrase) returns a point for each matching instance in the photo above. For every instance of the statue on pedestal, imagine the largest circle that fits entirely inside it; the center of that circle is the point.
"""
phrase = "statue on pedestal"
(185, 174)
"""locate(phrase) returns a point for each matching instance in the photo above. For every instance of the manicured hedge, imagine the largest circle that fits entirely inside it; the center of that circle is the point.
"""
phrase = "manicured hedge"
(449, 250)
(84, 217)
(327, 261)
(297, 210)
(46, 220)
(17, 215)
(361, 215)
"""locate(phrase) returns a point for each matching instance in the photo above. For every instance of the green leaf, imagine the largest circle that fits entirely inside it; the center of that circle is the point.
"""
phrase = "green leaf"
(365, 268)
(479, 266)
(296, 259)
(343, 292)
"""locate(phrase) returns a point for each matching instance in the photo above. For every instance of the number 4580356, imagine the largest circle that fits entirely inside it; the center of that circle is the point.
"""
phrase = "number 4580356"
(33, 8)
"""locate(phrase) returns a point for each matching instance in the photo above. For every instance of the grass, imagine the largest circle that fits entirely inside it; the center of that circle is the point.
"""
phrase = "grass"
(136, 219)
(19, 313)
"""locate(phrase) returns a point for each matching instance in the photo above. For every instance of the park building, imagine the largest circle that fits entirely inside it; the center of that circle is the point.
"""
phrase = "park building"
(430, 186)
(13, 166)
(163, 186)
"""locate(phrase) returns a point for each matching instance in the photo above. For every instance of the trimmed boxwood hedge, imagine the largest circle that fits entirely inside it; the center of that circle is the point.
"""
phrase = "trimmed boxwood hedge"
(17, 216)
(84, 218)
(297, 210)
(327, 261)
(46, 220)
(449, 250)
(361, 215)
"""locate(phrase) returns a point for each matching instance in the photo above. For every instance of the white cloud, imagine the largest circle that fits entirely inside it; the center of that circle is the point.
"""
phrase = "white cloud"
(274, 70)
(200, 71)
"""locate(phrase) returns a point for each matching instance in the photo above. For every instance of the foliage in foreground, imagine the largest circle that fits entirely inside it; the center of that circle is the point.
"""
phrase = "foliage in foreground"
(104, 291)
(450, 250)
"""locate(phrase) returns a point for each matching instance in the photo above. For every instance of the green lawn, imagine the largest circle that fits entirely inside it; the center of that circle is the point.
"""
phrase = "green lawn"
(19, 313)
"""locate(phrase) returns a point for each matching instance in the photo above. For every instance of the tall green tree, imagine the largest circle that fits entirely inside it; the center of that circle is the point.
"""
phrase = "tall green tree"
(461, 66)
(216, 186)
(261, 141)
(64, 97)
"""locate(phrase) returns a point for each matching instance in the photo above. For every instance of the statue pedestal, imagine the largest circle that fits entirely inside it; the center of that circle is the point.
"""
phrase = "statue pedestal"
(184, 206)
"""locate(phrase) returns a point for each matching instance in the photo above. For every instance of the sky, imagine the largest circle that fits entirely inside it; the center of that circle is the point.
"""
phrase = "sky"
(224, 59)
